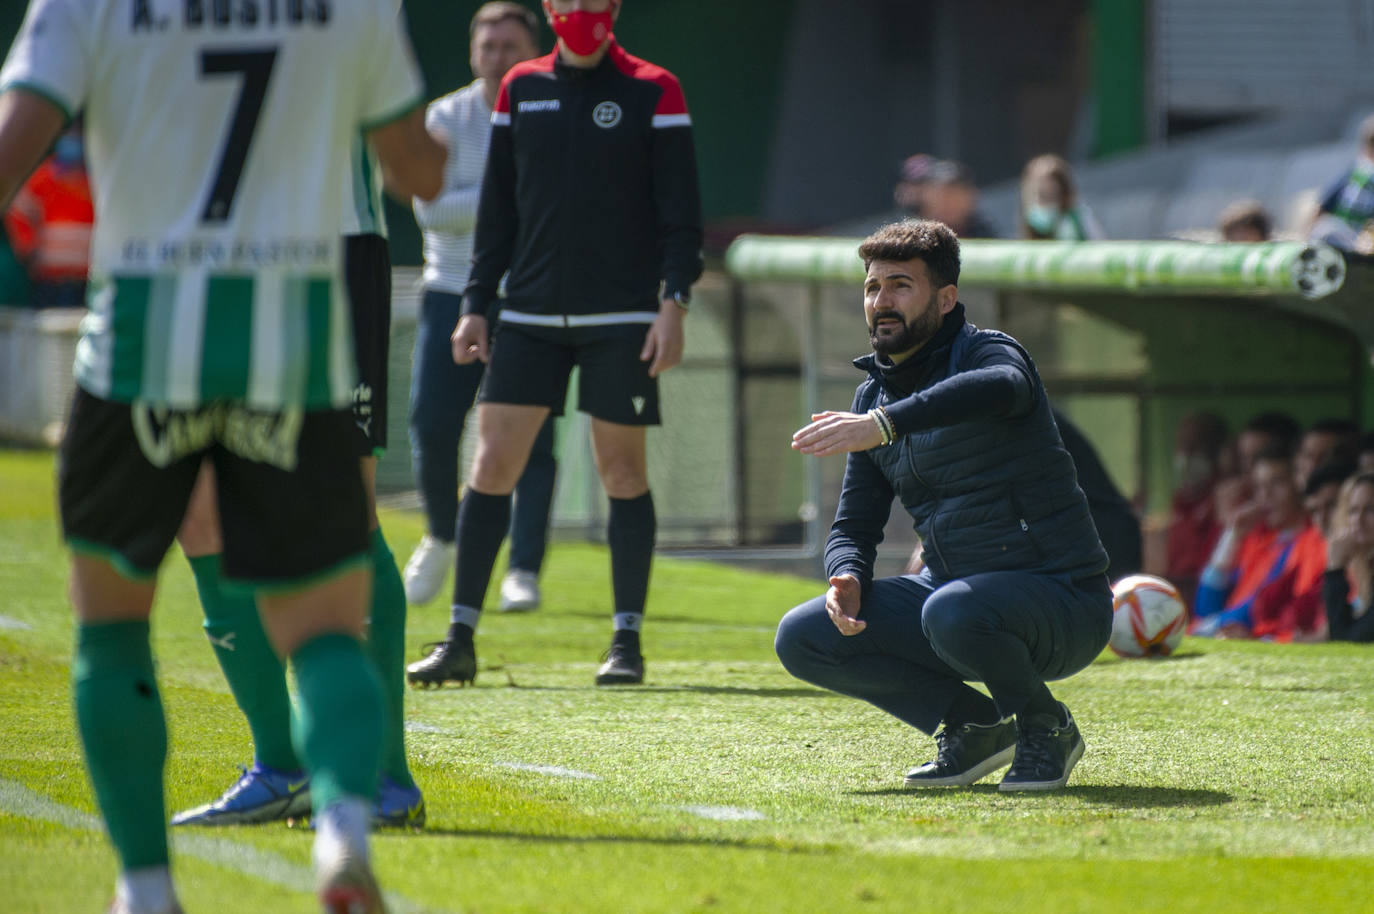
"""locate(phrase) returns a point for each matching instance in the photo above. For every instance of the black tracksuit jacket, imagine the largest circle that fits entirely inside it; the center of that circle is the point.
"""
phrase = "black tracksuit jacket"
(590, 196)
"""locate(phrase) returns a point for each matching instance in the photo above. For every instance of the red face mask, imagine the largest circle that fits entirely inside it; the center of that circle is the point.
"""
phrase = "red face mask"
(582, 32)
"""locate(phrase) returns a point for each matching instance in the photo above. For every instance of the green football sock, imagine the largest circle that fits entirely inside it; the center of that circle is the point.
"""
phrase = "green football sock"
(386, 644)
(124, 734)
(338, 719)
(253, 670)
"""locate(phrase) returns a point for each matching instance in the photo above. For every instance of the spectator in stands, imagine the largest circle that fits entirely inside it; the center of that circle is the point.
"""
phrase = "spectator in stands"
(1271, 429)
(1322, 494)
(913, 180)
(49, 225)
(951, 197)
(1202, 458)
(1245, 220)
(1327, 441)
(1346, 210)
(1348, 584)
(1265, 575)
(1050, 208)
(1364, 453)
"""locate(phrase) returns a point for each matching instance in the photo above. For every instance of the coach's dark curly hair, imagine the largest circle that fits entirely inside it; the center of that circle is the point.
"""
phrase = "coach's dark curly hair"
(912, 239)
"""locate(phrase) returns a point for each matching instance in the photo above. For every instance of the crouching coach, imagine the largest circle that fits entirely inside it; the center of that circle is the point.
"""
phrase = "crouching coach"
(954, 422)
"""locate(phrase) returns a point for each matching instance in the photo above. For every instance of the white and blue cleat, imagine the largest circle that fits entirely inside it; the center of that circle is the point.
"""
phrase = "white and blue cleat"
(261, 794)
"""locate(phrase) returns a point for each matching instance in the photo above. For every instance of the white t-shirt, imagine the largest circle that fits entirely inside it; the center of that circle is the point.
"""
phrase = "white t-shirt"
(449, 220)
(218, 136)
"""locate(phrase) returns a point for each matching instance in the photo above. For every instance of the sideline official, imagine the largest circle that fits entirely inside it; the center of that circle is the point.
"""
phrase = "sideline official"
(590, 200)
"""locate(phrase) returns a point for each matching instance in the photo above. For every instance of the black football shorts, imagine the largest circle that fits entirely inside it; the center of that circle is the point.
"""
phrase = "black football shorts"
(291, 499)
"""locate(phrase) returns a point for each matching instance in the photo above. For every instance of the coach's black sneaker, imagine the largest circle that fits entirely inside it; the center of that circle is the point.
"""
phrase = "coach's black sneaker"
(448, 661)
(965, 754)
(1047, 748)
(624, 664)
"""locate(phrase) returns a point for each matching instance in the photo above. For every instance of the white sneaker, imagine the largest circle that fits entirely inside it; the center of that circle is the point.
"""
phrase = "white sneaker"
(519, 592)
(428, 567)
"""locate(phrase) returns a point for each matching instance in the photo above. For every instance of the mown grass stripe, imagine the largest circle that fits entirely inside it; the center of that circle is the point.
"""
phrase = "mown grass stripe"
(19, 800)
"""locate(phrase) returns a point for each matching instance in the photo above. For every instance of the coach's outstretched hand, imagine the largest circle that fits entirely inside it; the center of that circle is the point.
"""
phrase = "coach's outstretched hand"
(837, 433)
(842, 603)
(471, 339)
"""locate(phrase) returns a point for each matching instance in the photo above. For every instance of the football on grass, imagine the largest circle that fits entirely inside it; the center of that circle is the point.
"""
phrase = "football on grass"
(1149, 617)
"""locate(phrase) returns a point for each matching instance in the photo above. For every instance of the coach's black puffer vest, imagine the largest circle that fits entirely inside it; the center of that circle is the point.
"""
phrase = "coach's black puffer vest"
(988, 495)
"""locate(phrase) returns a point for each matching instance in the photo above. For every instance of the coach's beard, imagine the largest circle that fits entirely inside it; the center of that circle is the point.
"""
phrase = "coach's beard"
(911, 335)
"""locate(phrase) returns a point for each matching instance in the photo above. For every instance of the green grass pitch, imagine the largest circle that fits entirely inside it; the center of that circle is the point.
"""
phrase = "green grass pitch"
(1233, 778)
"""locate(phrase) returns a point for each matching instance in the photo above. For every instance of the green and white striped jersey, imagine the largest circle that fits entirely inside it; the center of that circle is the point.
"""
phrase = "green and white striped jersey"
(363, 213)
(219, 136)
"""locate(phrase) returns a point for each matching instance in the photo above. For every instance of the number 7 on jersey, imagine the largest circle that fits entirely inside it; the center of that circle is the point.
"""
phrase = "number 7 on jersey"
(256, 68)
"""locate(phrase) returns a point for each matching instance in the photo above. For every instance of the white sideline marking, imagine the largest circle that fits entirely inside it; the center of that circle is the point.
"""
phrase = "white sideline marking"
(552, 770)
(19, 800)
(416, 727)
(725, 813)
(16, 624)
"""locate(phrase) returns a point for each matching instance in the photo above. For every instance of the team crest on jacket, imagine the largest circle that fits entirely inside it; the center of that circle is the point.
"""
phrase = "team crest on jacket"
(606, 114)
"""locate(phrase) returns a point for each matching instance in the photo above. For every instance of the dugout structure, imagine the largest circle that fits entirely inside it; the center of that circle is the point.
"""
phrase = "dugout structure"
(1129, 337)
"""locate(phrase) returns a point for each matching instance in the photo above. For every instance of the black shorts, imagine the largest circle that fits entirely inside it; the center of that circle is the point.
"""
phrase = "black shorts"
(530, 366)
(367, 275)
(291, 499)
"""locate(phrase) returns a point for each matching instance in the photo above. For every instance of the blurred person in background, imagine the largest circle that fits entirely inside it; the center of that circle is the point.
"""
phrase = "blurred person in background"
(913, 180)
(1245, 220)
(1322, 494)
(1364, 453)
(441, 391)
(1262, 431)
(951, 197)
(49, 225)
(1118, 526)
(1202, 458)
(1050, 207)
(1263, 579)
(1348, 584)
(1346, 210)
(1326, 441)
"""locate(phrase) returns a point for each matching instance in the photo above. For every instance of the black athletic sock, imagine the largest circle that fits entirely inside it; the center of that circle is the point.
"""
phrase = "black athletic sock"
(482, 523)
(971, 706)
(630, 529)
(1043, 704)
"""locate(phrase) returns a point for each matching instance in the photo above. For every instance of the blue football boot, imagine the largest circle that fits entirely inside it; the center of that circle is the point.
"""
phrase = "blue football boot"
(397, 806)
(261, 794)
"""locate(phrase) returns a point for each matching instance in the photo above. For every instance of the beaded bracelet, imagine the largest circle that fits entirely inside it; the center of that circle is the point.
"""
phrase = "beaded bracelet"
(884, 423)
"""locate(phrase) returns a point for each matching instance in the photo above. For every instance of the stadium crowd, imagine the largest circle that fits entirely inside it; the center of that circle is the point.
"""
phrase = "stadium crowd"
(1267, 536)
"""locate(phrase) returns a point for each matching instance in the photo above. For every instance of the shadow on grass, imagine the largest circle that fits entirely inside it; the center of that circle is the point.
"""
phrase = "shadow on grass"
(800, 692)
(671, 619)
(1185, 654)
(1125, 796)
(660, 840)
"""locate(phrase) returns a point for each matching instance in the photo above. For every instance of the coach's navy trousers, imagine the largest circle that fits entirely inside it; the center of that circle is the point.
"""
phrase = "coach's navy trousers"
(1011, 631)
(441, 393)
